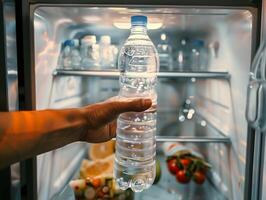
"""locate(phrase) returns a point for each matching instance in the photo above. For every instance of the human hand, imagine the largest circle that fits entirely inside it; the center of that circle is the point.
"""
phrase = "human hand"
(101, 117)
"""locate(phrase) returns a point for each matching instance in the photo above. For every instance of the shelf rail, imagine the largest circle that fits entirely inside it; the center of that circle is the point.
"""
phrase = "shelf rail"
(196, 139)
(115, 74)
(189, 139)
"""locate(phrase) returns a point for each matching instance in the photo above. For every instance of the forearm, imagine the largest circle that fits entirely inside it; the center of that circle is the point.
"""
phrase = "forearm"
(26, 134)
(29, 133)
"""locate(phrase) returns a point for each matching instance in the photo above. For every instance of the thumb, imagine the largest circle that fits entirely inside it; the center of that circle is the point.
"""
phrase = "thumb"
(130, 105)
(106, 112)
(127, 105)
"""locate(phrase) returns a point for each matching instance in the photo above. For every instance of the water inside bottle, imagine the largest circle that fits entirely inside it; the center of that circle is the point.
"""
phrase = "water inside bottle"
(135, 139)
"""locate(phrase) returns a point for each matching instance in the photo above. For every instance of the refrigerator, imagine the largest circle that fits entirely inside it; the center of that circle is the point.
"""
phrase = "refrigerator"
(225, 88)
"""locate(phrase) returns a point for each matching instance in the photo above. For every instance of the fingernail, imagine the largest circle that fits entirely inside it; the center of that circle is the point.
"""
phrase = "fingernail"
(146, 101)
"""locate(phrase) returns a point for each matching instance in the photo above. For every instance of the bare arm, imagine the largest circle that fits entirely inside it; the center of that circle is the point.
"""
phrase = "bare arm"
(29, 133)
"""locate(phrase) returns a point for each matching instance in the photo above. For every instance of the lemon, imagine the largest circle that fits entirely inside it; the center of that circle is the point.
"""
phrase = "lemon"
(101, 150)
(97, 168)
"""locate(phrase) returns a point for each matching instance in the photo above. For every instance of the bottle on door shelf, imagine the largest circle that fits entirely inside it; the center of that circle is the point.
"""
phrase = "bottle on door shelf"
(196, 50)
(69, 57)
(89, 51)
(183, 55)
(75, 55)
(107, 59)
(165, 53)
(66, 54)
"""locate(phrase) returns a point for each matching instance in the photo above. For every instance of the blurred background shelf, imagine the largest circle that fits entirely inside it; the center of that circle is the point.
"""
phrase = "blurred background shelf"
(183, 134)
(115, 73)
(187, 139)
(194, 130)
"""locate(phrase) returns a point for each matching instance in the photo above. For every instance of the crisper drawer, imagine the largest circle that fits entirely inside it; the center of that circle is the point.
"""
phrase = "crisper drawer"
(217, 185)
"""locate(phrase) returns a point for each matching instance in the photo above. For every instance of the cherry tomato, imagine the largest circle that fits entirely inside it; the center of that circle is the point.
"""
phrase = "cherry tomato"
(172, 166)
(183, 176)
(199, 177)
(203, 170)
(96, 182)
(186, 162)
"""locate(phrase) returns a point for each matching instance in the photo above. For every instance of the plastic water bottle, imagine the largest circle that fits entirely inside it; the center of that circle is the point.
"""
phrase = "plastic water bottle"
(75, 55)
(135, 140)
(89, 52)
(197, 46)
(106, 53)
(67, 62)
(70, 57)
(165, 53)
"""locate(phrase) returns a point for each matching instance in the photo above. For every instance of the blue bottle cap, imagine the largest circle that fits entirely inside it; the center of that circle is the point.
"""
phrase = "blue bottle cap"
(68, 43)
(139, 20)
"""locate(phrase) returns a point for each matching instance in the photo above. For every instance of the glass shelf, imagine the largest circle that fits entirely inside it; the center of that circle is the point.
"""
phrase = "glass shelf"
(195, 130)
(182, 132)
(115, 74)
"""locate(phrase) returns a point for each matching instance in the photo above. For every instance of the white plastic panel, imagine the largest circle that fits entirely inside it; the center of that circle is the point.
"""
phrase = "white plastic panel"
(55, 168)
(223, 103)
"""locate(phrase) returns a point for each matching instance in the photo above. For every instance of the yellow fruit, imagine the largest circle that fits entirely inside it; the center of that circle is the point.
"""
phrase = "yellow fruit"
(97, 168)
(101, 150)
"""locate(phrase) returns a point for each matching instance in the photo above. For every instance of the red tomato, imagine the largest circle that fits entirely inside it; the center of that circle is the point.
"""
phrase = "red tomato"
(199, 177)
(186, 162)
(183, 176)
(96, 182)
(172, 166)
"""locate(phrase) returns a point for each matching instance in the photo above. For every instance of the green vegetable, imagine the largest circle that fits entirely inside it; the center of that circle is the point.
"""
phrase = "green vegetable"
(158, 172)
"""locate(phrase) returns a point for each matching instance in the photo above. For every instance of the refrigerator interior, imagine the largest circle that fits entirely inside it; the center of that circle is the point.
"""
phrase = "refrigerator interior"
(215, 93)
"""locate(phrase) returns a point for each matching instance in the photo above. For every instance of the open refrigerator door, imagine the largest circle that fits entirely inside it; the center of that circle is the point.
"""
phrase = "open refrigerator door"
(255, 114)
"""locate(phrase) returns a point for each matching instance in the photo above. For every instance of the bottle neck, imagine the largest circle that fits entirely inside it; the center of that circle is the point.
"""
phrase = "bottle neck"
(138, 30)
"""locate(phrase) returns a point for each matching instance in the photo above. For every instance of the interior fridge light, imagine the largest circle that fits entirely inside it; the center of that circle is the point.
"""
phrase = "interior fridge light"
(163, 36)
(126, 25)
(91, 19)
(203, 123)
(117, 8)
